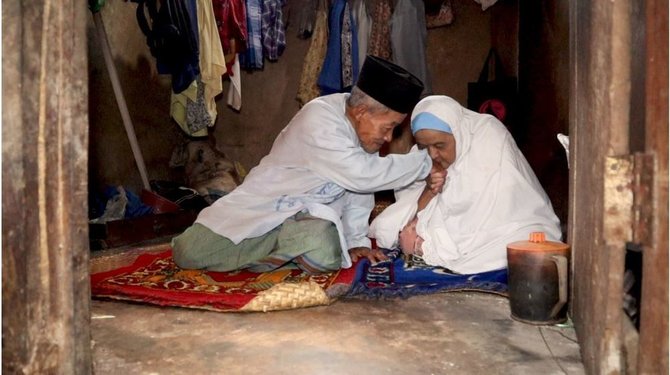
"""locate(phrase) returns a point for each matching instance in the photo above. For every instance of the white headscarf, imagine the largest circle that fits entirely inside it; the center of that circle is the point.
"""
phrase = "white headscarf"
(491, 197)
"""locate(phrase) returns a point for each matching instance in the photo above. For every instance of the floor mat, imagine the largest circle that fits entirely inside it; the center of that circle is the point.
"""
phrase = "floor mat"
(154, 278)
(399, 277)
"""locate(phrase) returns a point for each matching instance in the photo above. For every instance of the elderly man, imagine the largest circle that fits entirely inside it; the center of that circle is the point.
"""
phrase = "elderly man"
(308, 202)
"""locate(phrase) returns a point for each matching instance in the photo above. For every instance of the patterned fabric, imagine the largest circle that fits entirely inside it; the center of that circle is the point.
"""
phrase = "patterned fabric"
(308, 89)
(379, 43)
(407, 276)
(197, 116)
(349, 50)
(155, 279)
(272, 28)
(252, 58)
(179, 107)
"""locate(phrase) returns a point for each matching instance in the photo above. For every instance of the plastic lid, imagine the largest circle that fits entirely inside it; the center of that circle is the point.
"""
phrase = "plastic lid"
(537, 237)
(537, 241)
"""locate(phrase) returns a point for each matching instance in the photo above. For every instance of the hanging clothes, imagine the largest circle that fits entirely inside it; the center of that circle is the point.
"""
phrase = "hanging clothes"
(349, 50)
(194, 109)
(307, 17)
(172, 37)
(252, 58)
(363, 23)
(308, 89)
(409, 39)
(340, 67)
(272, 29)
(330, 78)
(234, 98)
(231, 21)
(379, 43)
(188, 110)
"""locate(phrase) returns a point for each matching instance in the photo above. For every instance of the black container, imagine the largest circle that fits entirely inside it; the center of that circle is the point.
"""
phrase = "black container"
(538, 280)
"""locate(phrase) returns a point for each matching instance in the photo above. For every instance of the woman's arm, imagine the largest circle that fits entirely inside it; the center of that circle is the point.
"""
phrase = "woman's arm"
(434, 184)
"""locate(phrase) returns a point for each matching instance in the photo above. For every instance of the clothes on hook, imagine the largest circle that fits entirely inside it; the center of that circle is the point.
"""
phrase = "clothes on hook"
(172, 36)
(355, 29)
(198, 42)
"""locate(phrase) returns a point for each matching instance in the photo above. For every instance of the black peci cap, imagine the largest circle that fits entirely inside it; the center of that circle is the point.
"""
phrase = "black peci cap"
(389, 84)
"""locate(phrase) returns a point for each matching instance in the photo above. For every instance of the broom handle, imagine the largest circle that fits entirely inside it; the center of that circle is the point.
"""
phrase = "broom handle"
(120, 100)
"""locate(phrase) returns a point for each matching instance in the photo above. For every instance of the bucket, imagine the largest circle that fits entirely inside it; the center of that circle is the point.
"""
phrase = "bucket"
(538, 280)
(159, 203)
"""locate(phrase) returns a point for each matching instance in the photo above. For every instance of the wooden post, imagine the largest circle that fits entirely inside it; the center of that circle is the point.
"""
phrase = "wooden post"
(653, 350)
(600, 198)
(45, 299)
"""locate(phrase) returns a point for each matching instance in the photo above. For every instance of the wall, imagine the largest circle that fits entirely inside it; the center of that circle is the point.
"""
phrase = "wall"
(147, 95)
(455, 57)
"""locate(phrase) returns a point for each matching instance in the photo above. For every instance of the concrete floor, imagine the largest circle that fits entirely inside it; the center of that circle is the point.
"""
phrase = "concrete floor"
(452, 333)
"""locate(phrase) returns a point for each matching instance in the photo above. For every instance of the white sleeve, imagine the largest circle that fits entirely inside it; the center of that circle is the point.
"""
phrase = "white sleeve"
(329, 147)
(355, 216)
(386, 226)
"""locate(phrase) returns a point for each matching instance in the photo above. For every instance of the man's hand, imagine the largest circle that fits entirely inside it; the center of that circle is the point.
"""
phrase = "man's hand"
(436, 178)
(374, 255)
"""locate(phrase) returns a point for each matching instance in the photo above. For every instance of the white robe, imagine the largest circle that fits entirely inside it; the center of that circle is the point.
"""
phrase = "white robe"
(316, 165)
(491, 197)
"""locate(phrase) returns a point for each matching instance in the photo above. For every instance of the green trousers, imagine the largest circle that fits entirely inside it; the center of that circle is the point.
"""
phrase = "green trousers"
(302, 241)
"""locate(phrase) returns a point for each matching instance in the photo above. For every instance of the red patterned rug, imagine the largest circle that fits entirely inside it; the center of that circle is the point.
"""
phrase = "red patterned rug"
(154, 278)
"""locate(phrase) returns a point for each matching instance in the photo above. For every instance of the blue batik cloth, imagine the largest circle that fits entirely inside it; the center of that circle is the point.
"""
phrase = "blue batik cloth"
(396, 278)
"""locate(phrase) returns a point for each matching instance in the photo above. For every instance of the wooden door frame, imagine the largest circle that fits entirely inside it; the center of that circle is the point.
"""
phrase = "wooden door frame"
(653, 341)
(45, 252)
(607, 201)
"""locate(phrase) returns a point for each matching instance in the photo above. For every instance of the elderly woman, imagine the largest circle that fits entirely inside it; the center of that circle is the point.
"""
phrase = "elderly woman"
(490, 198)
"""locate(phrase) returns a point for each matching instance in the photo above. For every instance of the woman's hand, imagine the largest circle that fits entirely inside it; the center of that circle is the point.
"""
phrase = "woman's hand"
(374, 255)
(434, 184)
(436, 179)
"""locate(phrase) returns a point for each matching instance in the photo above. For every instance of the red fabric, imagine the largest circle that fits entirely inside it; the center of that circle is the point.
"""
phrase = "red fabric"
(231, 21)
(155, 279)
